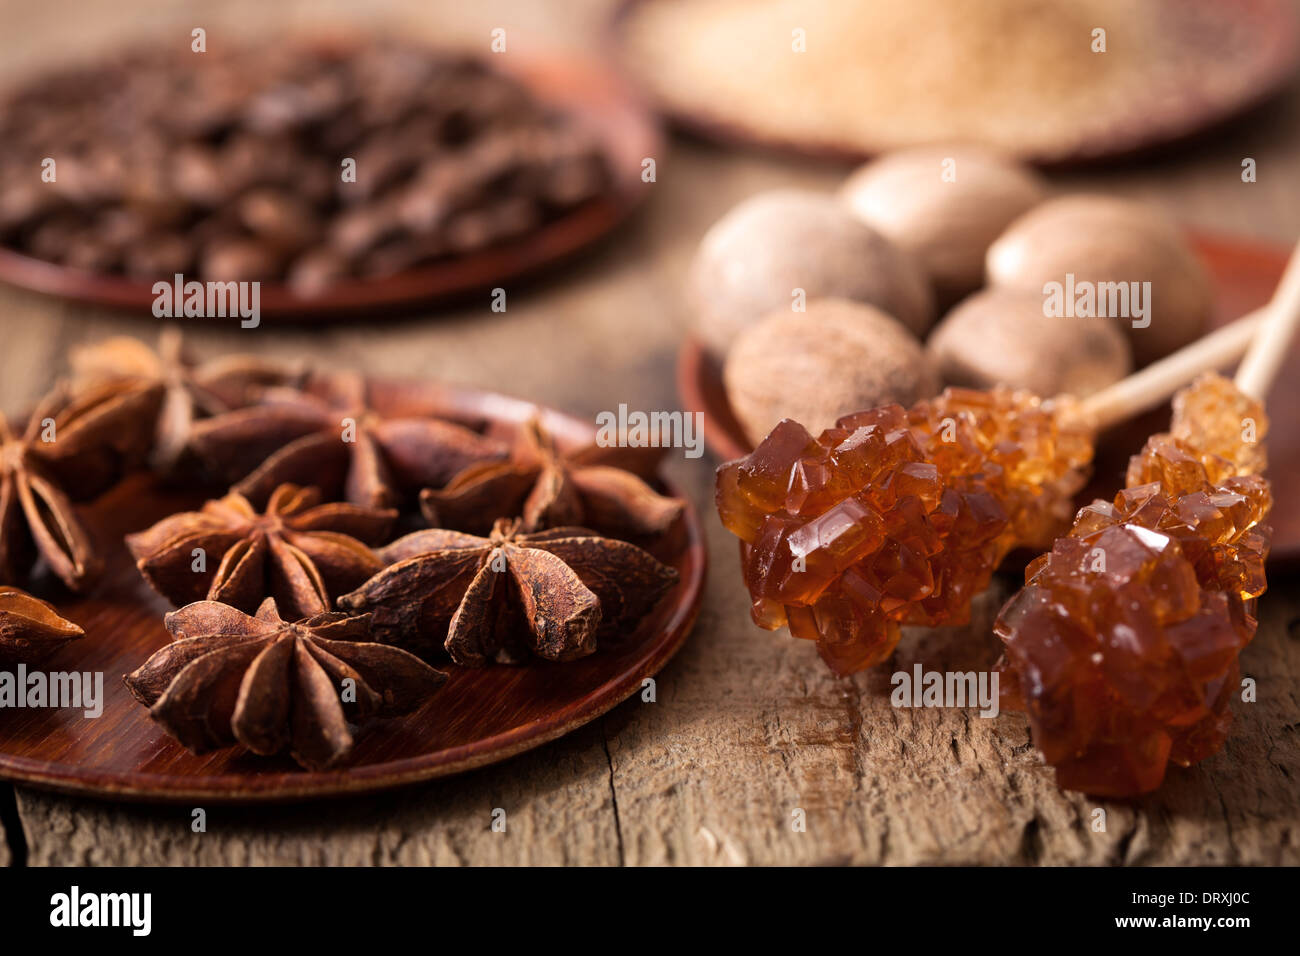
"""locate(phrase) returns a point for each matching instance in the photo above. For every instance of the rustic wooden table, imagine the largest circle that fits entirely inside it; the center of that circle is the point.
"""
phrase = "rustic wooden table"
(747, 726)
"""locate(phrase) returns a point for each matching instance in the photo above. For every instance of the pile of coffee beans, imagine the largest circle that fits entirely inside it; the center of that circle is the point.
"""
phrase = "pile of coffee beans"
(303, 164)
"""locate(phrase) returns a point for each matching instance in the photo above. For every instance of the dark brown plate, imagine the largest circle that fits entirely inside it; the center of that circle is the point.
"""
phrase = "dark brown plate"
(1271, 37)
(584, 89)
(1244, 272)
(481, 716)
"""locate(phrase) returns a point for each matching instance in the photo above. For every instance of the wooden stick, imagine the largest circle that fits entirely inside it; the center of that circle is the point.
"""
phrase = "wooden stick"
(1154, 384)
(1260, 366)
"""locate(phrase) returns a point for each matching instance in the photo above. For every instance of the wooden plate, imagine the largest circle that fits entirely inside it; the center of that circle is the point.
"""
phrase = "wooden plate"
(1244, 272)
(584, 89)
(480, 716)
(1264, 62)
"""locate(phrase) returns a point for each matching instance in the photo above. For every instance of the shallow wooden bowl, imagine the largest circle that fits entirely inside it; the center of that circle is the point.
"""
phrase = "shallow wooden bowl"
(1266, 64)
(1244, 272)
(480, 716)
(582, 88)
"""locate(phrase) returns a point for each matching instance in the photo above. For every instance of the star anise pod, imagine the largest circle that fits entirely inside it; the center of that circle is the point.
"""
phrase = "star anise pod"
(299, 551)
(271, 685)
(548, 488)
(73, 448)
(552, 593)
(192, 390)
(337, 441)
(31, 629)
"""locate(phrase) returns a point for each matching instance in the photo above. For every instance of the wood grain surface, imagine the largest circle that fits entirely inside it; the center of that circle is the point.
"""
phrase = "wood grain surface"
(747, 725)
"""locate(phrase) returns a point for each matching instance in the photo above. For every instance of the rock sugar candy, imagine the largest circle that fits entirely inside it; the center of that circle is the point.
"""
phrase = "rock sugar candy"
(1122, 646)
(897, 516)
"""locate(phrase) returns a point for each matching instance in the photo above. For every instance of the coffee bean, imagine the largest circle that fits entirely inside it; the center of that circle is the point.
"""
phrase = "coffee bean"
(239, 260)
(278, 217)
(159, 255)
(317, 269)
(232, 164)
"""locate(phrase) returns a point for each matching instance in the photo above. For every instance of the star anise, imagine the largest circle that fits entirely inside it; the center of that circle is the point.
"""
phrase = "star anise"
(551, 489)
(337, 441)
(192, 390)
(299, 551)
(73, 448)
(31, 629)
(269, 685)
(552, 593)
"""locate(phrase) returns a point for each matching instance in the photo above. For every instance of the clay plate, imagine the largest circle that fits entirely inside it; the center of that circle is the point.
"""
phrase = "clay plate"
(1244, 272)
(481, 716)
(584, 89)
(1274, 51)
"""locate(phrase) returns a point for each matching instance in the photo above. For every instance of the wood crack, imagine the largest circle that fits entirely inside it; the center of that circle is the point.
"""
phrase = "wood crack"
(1031, 841)
(1234, 854)
(11, 825)
(1126, 840)
(613, 793)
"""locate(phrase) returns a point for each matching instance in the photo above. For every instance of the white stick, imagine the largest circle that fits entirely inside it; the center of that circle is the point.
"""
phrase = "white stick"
(1260, 366)
(1154, 384)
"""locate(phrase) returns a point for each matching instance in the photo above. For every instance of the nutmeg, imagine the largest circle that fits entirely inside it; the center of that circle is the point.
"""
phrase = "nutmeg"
(1128, 257)
(945, 206)
(836, 358)
(1002, 337)
(756, 258)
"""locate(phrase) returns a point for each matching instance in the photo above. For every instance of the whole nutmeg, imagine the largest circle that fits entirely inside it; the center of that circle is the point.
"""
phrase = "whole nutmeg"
(1002, 337)
(838, 357)
(754, 260)
(1088, 246)
(944, 206)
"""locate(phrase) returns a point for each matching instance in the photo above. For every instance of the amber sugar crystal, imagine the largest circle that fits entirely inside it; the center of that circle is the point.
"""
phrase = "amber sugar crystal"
(897, 516)
(1122, 646)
